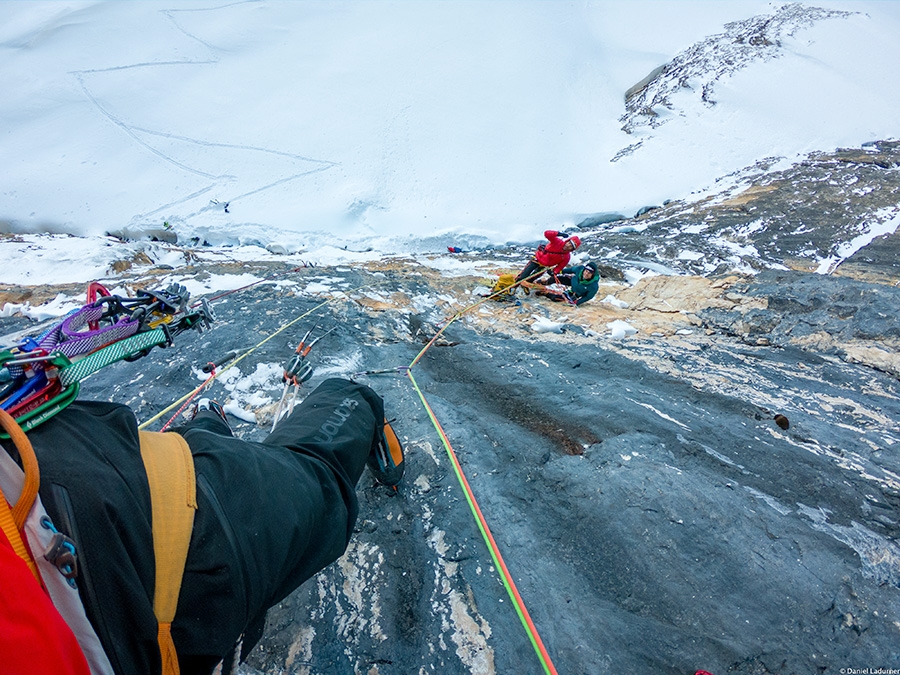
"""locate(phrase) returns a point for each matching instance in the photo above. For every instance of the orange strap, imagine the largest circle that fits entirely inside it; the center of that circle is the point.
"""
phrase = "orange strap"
(173, 499)
(170, 473)
(167, 650)
(29, 465)
(12, 518)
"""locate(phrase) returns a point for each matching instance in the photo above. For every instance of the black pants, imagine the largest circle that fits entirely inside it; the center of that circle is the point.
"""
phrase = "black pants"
(270, 516)
(533, 267)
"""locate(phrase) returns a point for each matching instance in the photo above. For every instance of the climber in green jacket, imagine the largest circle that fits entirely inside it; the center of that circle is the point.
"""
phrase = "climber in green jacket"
(582, 282)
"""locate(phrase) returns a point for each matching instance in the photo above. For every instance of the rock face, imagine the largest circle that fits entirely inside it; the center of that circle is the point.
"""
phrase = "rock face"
(653, 513)
(801, 217)
(654, 516)
(719, 490)
(837, 316)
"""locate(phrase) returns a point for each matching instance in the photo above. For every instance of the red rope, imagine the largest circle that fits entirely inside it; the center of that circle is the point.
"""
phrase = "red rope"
(212, 375)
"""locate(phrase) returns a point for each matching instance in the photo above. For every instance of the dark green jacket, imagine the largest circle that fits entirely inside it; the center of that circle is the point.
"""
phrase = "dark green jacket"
(582, 290)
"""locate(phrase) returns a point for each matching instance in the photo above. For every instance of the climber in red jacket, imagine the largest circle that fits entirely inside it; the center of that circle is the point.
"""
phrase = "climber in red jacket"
(555, 255)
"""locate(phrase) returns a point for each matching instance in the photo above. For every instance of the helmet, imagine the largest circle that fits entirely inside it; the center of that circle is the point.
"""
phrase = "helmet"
(575, 240)
(589, 267)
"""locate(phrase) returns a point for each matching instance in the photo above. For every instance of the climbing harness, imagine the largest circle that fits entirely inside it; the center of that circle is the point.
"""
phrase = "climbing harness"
(42, 375)
(567, 296)
(297, 371)
(38, 378)
(170, 475)
(173, 500)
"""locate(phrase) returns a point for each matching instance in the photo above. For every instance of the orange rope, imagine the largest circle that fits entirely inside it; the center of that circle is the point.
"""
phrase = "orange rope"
(212, 376)
(505, 576)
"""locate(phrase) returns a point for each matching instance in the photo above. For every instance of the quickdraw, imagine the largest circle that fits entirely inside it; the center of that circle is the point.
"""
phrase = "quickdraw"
(42, 375)
(297, 371)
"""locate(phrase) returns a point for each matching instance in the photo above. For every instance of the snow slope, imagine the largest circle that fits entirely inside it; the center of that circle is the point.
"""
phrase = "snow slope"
(378, 124)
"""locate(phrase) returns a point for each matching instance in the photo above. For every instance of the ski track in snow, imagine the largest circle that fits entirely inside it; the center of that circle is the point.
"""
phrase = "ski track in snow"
(134, 132)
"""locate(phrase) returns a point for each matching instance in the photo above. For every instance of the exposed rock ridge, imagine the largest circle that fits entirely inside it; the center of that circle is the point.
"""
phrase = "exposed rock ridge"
(803, 216)
(700, 67)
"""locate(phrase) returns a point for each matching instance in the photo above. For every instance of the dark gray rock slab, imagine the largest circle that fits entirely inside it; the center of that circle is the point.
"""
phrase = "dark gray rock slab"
(652, 514)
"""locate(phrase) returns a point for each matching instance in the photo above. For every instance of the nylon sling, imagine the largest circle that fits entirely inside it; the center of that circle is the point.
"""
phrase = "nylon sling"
(12, 517)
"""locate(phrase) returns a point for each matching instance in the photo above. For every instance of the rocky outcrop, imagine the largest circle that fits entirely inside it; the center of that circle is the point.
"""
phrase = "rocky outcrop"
(837, 316)
(698, 69)
(833, 212)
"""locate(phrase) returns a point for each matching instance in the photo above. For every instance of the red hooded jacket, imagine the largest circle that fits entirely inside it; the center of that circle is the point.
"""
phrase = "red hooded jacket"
(34, 638)
(552, 254)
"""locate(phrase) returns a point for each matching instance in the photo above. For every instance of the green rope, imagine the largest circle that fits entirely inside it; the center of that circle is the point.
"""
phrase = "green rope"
(489, 540)
(500, 565)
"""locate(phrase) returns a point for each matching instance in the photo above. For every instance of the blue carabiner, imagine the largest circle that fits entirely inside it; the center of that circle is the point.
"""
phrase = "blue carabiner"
(31, 386)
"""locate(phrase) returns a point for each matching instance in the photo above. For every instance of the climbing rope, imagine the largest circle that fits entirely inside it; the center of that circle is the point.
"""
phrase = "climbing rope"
(469, 308)
(212, 376)
(505, 576)
(494, 550)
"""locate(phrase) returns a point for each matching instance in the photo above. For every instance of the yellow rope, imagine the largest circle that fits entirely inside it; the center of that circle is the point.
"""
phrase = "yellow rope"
(469, 308)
